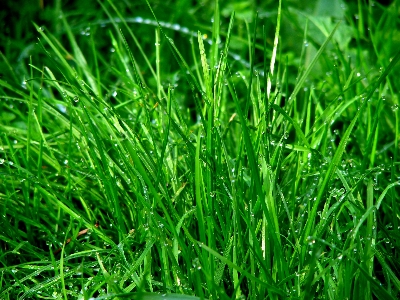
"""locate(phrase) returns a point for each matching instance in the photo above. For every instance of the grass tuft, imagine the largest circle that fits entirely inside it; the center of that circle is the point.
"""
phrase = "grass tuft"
(148, 153)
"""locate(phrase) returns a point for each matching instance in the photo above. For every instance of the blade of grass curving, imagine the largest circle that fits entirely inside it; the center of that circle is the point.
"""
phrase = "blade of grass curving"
(48, 38)
(138, 262)
(178, 229)
(10, 68)
(133, 62)
(137, 43)
(328, 116)
(303, 78)
(80, 58)
(295, 125)
(393, 277)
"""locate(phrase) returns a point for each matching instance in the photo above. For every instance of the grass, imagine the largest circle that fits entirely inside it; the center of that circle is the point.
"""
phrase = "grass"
(146, 153)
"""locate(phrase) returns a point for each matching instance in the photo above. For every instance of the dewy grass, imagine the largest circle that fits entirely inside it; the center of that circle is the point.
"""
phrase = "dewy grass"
(134, 165)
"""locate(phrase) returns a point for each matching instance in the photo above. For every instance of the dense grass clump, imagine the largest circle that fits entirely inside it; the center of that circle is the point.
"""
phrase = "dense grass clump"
(147, 152)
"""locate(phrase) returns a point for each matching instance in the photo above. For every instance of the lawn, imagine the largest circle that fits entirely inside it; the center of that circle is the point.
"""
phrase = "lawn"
(199, 150)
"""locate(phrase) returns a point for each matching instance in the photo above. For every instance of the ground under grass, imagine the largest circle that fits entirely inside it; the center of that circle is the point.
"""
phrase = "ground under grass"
(211, 150)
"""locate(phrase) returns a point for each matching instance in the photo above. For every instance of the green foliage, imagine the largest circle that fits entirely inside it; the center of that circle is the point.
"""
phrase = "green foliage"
(148, 153)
